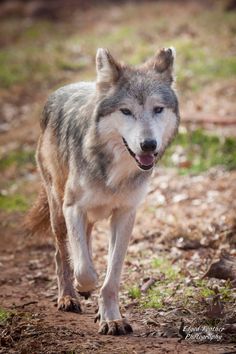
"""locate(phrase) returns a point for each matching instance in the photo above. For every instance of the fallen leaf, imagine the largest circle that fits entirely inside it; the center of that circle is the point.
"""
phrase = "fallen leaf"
(186, 244)
(215, 308)
(225, 268)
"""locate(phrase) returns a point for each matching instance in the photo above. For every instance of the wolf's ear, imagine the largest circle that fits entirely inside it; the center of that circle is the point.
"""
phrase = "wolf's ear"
(108, 70)
(163, 64)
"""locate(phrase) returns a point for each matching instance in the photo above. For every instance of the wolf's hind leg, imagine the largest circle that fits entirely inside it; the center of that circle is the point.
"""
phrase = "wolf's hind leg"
(67, 297)
(54, 179)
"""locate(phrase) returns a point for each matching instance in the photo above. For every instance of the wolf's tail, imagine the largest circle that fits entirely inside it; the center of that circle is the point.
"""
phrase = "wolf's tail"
(38, 218)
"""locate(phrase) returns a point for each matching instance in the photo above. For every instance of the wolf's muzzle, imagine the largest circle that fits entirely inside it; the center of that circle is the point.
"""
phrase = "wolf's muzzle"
(145, 161)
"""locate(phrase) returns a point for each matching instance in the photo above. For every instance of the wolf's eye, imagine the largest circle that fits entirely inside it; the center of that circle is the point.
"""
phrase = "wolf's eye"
(126, 111)
(157, 109)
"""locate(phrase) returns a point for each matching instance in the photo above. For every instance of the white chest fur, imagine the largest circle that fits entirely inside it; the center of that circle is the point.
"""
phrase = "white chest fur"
(99, 203)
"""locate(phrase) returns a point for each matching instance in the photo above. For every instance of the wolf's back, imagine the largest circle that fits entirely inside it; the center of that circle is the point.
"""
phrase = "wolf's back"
(73, 95)
(60, 110)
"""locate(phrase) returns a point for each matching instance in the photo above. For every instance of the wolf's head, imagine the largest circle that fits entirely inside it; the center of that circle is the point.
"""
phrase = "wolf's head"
(137, 108)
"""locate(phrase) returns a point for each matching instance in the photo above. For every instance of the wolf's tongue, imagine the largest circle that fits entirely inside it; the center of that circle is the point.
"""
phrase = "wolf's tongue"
(145, 160)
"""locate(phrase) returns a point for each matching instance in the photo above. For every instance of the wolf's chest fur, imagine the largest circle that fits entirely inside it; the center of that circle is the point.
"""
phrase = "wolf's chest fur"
(99, 201)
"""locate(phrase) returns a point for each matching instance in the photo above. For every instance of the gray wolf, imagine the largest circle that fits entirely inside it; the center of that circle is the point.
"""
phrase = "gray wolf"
(98, 146)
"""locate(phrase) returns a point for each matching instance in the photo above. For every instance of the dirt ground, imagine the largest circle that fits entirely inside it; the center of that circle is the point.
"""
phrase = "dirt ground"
(186, 222)
(28, 282)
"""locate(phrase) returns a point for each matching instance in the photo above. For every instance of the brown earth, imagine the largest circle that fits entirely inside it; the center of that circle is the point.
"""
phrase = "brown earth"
(28, 282)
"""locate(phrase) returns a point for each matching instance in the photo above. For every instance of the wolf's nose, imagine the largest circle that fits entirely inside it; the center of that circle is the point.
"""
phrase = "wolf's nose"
(148, 145)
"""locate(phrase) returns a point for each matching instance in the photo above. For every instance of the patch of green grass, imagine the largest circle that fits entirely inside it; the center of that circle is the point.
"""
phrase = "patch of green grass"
(141, 53)
(154, 301)
(10, 71)
(120, 33)
(206, 292)
(37, 30)
(164, 266)
(32, 57)
(198, 66)
(17, 157)
(173, 290)
(211, 20)
(41, 51)
(14, 202)
(163, 288)
(157, 295)
(4, 315)
(180, 294)
(70, 65)
(200, 283)
(18, 65)
(201, 151)
(117, 34)
(134, 292)
(119, 41)
(226, 293)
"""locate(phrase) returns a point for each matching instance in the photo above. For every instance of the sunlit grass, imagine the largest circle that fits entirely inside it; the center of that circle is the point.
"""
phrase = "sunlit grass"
(171, 288)
(18, 158)
(197, 151)
(4, 315)
(15, 202)
(45, 52)
(166, 268)
(134, 292)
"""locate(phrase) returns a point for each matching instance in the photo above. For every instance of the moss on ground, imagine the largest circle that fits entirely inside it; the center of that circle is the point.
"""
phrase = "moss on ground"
(4, 315)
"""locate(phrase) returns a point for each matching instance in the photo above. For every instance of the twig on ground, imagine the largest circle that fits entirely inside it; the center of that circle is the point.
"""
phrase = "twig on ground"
(26, 304)
(148, 284)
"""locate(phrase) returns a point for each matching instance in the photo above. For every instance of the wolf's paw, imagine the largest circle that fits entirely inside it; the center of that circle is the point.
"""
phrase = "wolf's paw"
(115, 328)
(68, 303)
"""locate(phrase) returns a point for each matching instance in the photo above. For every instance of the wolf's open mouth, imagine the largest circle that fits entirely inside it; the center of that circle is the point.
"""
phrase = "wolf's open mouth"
(145, 161)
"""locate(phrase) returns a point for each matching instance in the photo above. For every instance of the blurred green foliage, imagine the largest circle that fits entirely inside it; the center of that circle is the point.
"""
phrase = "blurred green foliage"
(15, 202)
(18, 158)
(4, 315)
(201, 151)
(41, 52)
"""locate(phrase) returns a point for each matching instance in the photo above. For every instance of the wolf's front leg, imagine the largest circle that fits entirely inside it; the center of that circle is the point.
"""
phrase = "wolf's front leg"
(111, 321)
(77, 228)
